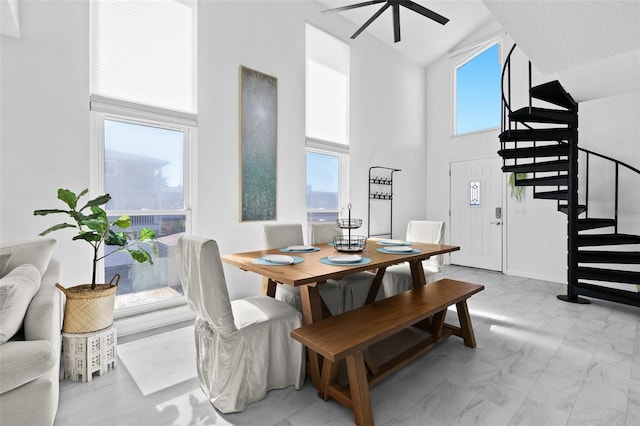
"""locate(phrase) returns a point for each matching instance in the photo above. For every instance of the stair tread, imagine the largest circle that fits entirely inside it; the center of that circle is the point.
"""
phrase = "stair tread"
(608, 293)
(610, 275)
(607, 239)
(542, 166)
(564, 208)
(594, 222)
(608, 256)
(543, 115)
(552, 195)
(535, 151)
(543, 181)
(553, 92)
(537, 134)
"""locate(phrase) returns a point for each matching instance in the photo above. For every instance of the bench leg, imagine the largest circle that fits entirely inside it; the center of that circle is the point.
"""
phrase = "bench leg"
(329, 374)
(465, 324)
(359, 386)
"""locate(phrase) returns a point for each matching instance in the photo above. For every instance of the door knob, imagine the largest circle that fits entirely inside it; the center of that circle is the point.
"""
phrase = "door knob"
(495, 223)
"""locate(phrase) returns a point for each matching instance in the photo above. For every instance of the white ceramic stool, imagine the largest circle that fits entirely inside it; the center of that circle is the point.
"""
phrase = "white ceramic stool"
(88, 353)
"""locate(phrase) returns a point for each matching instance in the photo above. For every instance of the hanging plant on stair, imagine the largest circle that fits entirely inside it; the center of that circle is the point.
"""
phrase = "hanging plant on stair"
(517, 192)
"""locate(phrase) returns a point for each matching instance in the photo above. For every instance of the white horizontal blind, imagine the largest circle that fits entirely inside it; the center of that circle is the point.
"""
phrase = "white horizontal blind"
(327, 87)
(145, 52)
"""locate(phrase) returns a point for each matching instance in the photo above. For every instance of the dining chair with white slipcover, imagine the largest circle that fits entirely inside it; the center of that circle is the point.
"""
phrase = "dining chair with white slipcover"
(355, 287)
(283, 235)
(322, 232)
(397, 278)
(243, 347)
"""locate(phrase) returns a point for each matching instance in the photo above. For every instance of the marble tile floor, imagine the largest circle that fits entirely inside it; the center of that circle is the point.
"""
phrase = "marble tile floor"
(538, 361)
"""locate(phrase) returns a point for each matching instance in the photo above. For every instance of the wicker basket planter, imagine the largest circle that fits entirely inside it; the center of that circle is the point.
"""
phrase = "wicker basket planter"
(89, 310)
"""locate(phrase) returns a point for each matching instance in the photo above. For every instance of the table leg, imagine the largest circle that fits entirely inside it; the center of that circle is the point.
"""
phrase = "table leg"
(312, 311)
(375, 286)
(417, 274)
(269, 287)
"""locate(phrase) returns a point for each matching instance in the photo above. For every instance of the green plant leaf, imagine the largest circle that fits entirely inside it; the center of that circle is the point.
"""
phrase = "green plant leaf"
(88, 236)
(116, 239)
(123, 222)
(56, 227)
(98, 201)
(48, 211)
(140, 255)
(146, 234)
(68, 197)
(98, 212)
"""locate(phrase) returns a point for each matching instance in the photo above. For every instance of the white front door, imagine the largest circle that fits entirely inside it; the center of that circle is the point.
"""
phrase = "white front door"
(476, 213)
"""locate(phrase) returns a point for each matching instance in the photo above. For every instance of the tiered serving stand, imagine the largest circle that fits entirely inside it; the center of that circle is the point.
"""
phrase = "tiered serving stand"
(349, 243)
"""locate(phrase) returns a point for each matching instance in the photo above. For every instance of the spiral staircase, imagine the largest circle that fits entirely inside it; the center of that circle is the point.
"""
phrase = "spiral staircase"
(541, 143)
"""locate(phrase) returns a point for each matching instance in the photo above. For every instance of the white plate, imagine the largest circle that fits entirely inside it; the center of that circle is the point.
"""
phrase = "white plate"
(299, 248)
(280, 259)
(399, 249)
(393, 243)
(345, 258)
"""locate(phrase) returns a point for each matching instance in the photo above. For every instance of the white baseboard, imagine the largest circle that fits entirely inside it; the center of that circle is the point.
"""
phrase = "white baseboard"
(535, 276)
(156, 319)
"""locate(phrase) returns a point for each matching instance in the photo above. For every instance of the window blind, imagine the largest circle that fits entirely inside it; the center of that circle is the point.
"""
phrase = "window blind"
(327, 87)
(145, 52)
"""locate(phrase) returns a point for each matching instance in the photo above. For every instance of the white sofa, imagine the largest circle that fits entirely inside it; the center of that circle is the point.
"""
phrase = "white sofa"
(30, 357)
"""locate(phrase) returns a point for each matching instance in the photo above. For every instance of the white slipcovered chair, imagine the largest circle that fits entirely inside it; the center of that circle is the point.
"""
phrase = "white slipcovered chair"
(290, 234)
(243, 347)
(355, 287)
(397, 278)
(323, 232)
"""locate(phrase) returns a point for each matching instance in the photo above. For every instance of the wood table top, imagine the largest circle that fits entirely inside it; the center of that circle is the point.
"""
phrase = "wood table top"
(311, 270)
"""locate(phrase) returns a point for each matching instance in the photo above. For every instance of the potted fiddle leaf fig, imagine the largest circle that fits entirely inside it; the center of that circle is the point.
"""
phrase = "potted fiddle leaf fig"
(90, 307)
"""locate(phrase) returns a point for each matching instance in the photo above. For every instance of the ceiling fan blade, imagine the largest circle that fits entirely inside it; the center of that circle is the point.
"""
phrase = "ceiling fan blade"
(424, 11)
(373, 18)
(396, 22)
(353, 6)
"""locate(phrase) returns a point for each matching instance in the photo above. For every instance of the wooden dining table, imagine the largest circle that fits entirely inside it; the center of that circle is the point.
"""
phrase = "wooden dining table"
(312, 272)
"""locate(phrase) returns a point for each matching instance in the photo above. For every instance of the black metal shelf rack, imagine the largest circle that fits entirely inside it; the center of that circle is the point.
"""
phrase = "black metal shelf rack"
(381, 198)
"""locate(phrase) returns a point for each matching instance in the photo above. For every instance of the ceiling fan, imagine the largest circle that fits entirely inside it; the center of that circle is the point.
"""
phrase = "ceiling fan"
(395, 5)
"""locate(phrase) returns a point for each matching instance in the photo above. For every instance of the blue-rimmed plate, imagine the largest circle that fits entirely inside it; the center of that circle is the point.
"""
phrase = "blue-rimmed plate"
(393, 243)
(277, 260)
(299, 249)
(337, 261)
(398, 250)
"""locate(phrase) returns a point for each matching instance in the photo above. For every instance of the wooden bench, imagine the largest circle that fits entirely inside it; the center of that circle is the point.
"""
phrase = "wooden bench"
(349, 336)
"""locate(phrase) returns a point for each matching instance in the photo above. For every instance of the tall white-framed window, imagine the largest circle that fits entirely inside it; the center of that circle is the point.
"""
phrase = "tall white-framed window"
(326, 124)
(144, 165)
(476, 90)
(144, 128)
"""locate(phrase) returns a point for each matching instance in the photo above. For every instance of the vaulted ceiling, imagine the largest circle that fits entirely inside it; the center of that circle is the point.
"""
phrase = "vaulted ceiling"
(423, 40)
(591, 46)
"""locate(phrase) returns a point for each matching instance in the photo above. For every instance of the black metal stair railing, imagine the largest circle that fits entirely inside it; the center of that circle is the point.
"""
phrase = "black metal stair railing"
(515, 129)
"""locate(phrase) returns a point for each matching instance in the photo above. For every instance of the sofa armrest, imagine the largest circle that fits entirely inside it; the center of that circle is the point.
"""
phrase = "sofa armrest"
(23, 362)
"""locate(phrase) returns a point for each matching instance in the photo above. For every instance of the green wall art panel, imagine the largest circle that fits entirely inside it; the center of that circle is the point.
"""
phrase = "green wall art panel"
(258, 144)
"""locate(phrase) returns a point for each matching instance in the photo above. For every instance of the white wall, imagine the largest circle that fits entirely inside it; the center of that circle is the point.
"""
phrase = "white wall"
(45, 119)
(44, 131)
(387, 116)
(533, 237)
